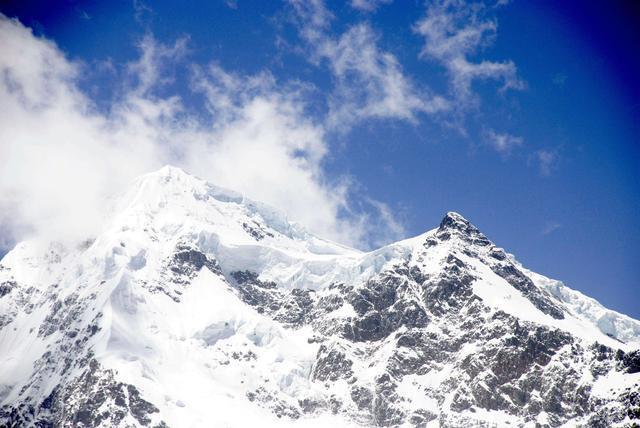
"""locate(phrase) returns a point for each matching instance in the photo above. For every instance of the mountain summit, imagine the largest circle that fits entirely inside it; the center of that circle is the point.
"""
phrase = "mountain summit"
(197, 307)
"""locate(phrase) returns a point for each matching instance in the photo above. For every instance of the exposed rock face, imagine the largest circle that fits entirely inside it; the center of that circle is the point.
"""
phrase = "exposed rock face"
(214, 303)
(91, 399)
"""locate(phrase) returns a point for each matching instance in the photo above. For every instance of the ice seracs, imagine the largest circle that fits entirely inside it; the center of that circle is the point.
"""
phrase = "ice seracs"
(196, 306)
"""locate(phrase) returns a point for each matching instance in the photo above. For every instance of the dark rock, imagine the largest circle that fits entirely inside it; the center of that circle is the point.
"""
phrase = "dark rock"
(630, 360)
(363, 397)
(309, 405)
(331, 364)
(6, 287)
(271, 401)
(522, 283)
(91, 399)
(257, 231)
(248, 277)
(291, 307)
(187, 261)
(455, 224)
(386, 411)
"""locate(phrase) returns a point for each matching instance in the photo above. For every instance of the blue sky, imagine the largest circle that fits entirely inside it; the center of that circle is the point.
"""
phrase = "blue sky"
(524, 117)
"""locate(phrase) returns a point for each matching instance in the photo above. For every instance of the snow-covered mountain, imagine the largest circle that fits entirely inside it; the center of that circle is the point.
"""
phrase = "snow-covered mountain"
(196, 307)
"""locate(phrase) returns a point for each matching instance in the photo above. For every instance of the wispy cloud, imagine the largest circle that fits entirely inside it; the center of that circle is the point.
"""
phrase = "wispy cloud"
(368, 5)
(387, 220)
(150, 68)
(550, 227)
(61, 157)
(502, 143)
(142, 11)
(454, 32)
(369, 82)
(546, 161)
(559, 79)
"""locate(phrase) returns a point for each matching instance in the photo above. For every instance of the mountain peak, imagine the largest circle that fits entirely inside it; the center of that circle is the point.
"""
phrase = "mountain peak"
(172, 180)
(170, 172)
(454, 220)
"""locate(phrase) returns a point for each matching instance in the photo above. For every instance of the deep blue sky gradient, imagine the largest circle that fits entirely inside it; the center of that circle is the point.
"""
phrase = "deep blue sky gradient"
(581, 62)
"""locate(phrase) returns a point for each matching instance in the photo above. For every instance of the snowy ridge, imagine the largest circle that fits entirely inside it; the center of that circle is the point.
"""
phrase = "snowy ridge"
(608, 322)
(196, 306)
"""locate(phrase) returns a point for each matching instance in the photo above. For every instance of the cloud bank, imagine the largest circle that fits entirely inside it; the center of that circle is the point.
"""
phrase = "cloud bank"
(61, 157)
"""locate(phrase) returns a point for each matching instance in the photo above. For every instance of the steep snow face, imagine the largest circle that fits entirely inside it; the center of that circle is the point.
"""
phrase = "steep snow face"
(198, 307)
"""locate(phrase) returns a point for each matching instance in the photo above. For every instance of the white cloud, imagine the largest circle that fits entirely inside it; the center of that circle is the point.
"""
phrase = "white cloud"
(546, 160)
(503, 143)
(314, 19)
(550, 227)
(454, 31)
(368, 81)
(386, 221)
(368, 5)
(148, 69)
(60, 157)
